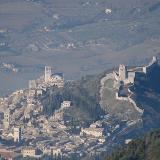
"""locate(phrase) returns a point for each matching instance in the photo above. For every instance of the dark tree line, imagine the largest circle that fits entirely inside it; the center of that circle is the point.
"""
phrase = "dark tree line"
(147, 148)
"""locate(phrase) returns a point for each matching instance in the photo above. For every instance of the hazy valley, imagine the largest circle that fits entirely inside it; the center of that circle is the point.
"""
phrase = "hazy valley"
(76, 38)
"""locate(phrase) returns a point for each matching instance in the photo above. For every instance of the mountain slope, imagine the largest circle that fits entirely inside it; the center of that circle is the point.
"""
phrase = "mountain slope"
(147, 95)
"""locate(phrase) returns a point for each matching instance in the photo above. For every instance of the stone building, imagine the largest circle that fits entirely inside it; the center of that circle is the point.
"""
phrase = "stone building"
(52, 150)
(32, 93)
(32, 84)
(95, 132)
(65, 104)
(122, 72)
(17, 134)
(29, 151)
(6, 120)
(56, 80)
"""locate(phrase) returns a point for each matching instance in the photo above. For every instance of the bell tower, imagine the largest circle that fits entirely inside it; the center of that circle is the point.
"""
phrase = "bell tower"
(48, 73)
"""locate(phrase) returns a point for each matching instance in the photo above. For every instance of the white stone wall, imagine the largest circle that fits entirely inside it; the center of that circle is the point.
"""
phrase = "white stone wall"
(131, 101)
(135, 105)
(147, 69)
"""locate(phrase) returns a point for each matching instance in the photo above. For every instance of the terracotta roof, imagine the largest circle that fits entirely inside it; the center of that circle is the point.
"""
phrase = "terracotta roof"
(7, 154)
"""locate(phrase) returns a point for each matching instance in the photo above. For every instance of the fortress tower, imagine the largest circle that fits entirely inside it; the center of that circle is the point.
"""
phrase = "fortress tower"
(48, 73)
(122, 72)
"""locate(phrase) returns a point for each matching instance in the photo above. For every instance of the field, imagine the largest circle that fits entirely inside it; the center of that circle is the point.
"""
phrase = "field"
(76, 37)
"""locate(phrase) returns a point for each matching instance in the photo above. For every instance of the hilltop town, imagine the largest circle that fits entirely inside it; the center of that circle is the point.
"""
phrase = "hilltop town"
(26, 130)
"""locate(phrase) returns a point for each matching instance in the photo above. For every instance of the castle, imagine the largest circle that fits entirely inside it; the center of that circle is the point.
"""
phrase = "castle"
(128, 75)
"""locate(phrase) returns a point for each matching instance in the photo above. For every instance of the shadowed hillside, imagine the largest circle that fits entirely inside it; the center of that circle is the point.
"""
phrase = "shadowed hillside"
(147, 95)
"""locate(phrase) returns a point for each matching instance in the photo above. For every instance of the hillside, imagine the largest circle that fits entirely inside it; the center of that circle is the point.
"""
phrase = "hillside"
(94, 115)
(146, 148)
(147, 95)
(91, 100)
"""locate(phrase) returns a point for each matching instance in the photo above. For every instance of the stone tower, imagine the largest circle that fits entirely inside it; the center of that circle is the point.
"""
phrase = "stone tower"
(17, 134)
(6, 120)
(48, 73)
(122, 72)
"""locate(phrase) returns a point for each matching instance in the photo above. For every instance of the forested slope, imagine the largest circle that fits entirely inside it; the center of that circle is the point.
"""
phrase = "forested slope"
(147, 148)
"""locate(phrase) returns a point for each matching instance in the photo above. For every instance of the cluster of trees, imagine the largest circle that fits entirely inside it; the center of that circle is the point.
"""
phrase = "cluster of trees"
(84, 95)
(147, 148)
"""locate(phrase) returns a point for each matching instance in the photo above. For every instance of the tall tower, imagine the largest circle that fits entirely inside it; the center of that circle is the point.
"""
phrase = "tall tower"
(6, 120)
(122, 72)
(48, 73)
(17, 134)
